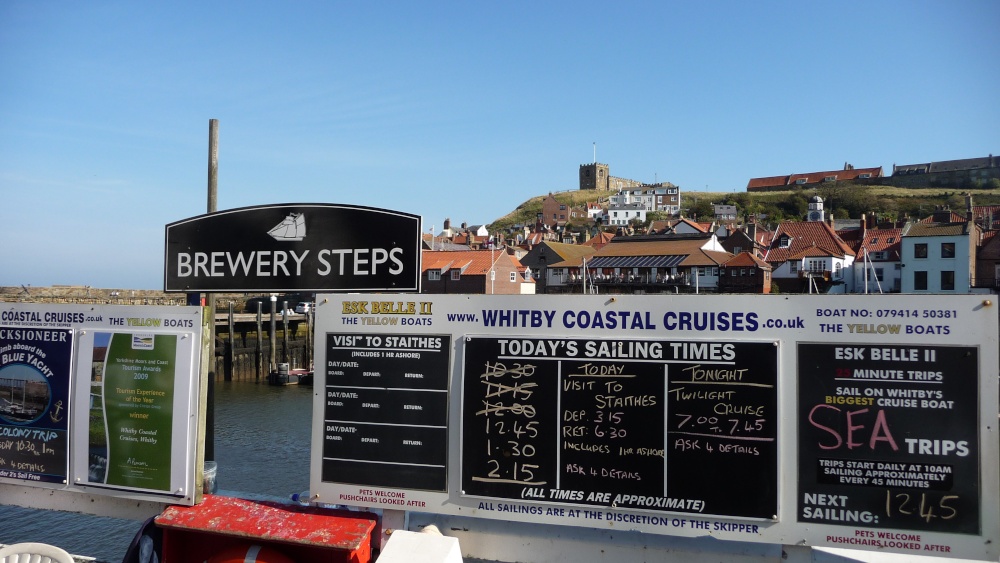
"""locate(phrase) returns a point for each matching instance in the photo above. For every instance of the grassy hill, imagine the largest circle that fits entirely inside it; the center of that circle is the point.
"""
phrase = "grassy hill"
(845, 201)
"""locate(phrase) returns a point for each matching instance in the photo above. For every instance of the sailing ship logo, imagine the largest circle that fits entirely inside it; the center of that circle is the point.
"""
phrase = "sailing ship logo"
(292, 228)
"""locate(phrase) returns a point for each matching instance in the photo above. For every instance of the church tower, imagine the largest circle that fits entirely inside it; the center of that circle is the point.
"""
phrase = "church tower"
(594, 176)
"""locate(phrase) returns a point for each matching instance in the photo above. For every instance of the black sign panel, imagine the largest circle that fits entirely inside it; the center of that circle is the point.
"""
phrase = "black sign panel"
(889, 436)
(294, 247)
(639, 424)
(386, 410)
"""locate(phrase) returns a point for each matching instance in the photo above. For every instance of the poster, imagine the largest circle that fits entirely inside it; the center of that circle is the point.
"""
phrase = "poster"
(131, 415)
(34, 403)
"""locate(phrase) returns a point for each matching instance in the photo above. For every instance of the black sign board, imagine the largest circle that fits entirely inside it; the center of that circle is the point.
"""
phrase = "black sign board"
(386, 410)
(889, 436)
(638, 424)
(294, 247)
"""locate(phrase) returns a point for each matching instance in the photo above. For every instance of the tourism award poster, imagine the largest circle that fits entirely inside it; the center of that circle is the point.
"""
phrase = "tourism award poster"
(132, 418)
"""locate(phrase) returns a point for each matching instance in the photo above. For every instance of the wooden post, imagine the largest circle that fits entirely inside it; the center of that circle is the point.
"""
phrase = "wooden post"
(232, 346)
(284, 333)
(213, 187)
(260, 342)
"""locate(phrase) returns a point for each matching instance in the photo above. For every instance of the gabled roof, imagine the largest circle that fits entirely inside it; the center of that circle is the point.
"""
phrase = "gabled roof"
(882, 240)
(747, 259)
(599, 240)
(802, 235)
(952, 218)
(706, 258)
(657, 253)
(572, 254)
(813, 178)
(922, 229)
(470, 262)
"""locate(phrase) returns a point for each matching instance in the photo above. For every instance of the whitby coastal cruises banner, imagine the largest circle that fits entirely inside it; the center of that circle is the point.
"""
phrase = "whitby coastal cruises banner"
(847, 421)
(294, 247)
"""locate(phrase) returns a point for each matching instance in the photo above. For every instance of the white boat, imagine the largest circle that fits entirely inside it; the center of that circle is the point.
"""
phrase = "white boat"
(292, 228)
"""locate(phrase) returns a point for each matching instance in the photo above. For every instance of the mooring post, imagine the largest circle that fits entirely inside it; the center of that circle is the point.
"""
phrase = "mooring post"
(213, 197)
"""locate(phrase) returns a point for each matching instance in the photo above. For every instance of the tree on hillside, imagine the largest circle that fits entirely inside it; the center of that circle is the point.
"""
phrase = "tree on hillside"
(702, 210)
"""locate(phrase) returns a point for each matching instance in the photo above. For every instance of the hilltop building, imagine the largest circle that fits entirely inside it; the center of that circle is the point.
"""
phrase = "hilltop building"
(814, 179)
(964, 173)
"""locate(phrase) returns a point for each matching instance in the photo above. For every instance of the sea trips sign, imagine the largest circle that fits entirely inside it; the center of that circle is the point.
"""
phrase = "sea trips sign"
(288, 247)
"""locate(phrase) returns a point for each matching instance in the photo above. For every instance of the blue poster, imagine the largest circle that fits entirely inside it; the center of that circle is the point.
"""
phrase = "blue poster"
(34, 399)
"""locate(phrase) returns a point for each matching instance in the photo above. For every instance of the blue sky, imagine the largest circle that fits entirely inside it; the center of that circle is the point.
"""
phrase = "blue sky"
(450, 109)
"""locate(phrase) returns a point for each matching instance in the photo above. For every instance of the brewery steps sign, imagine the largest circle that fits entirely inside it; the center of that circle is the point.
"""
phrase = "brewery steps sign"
(294, 247)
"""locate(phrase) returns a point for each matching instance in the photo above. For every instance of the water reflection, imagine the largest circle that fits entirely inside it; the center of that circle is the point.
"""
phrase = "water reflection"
(262, 436)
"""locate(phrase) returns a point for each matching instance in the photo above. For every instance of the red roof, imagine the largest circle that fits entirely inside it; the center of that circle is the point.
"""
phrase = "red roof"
(745, 259)
(813, 178)
(802, 236)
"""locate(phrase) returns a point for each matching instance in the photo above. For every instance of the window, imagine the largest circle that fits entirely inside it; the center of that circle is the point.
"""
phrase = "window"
(864, 176)
(891, 240)
(875, 274)
(513, 277)
(920, 250)
(737, 249)
(793, 266)
(433, 275)
(947, 250)
(800, 181)
(829, 178)
(947, 280)
(456, 274)
(785, 241)
(920, 281)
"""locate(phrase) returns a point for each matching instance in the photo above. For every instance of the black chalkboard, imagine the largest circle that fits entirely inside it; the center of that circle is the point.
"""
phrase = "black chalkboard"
(679, 426)
(889, 436)
(386, 410)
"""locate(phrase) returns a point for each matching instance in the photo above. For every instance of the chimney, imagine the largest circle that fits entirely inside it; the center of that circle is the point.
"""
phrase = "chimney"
(942, 214)
(968, 207)
(864, 228)
(752, 231)
(447, 224)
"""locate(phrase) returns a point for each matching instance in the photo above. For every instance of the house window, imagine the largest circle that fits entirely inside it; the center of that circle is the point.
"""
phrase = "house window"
(875, 274)
(800, 181)
(920, 281)
(864, 176)
(920, 250)
(456, 274)
(737, 249)
(785, 241)
(433, 275)
(947, 250)
(829, 178)
(793, 266)
(513, 277)
(947, 280)
(715, 271)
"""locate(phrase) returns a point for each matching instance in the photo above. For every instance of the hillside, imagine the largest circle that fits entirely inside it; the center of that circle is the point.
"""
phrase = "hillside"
(844, 201)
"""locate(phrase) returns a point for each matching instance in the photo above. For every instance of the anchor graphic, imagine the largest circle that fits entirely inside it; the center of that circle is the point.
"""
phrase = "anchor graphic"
(55, 415)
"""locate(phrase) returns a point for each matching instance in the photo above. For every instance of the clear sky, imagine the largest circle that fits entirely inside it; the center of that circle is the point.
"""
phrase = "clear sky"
(451, 109)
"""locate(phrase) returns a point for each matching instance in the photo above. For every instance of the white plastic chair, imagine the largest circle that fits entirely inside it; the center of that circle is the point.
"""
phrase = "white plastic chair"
(30, 552)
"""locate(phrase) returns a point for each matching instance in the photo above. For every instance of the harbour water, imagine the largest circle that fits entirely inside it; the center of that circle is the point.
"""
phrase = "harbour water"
(262, 435)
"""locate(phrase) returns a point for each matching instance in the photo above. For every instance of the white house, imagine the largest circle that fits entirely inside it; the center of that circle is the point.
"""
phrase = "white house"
(939, 257)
